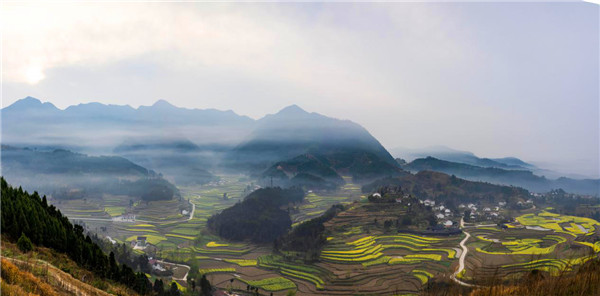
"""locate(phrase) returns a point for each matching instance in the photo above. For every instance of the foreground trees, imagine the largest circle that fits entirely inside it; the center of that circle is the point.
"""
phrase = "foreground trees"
(29, 220)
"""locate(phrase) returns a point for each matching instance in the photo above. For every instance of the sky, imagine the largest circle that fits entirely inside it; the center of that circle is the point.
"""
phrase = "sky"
(496, 79)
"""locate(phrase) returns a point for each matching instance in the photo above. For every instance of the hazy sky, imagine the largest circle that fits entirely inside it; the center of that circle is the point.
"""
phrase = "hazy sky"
(503, 79)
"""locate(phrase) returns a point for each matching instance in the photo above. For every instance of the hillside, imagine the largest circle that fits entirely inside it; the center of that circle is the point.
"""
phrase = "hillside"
(28, 220)
(443, 187)
(177, 158)
(69, 175)
(520, 178)
(293, 131)
(259, 218)
(315, 171)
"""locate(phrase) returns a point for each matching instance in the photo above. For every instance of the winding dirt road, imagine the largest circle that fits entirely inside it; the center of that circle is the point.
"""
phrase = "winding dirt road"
(463, 255)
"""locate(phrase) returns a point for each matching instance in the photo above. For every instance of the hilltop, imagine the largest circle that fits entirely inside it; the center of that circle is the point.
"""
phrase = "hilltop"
(293, 131)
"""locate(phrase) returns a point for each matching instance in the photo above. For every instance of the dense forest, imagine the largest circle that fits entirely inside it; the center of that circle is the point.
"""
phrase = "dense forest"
(308, 170)
(449, 189)
(259, 218)
(28, 219)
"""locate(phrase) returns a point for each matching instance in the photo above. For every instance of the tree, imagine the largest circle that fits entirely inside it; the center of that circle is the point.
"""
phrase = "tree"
(29, 220)
(467, 215)
(387, 224)
(192, 283)
(159, 287)
(174, 291)
(24, 243)
(205, 286)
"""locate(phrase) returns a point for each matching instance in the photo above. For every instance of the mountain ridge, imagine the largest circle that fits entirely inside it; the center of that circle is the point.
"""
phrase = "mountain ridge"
(522, 178)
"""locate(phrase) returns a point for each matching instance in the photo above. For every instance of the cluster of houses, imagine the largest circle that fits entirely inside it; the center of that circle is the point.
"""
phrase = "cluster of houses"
(477, 211)
(527, 204)
(486, 213)
(139, 243)
(156, 265)
(442, 213)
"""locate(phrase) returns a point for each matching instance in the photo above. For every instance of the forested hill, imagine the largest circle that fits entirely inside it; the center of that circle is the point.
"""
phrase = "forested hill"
(293, 131)
(259, 218)
(27, 217)
(323, 171)
(60, 161)
(521, 178)
(450, 189)
(69, 175)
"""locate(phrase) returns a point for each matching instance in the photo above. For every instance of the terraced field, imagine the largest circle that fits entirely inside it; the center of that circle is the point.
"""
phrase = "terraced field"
(375, 264)
(272, 284)
(316, 203)
(543, 241)
(360, 256)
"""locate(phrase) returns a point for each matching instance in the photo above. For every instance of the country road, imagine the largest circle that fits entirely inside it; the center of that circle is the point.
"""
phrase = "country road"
(463, 255)
(184, 278)
(193, 210)
(108, 220)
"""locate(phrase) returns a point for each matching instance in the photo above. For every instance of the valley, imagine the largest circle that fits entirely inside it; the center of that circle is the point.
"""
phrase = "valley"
(365, 251)
(301, 204)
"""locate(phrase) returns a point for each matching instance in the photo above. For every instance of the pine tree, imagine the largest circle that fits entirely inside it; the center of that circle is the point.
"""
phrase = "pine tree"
(24, 243)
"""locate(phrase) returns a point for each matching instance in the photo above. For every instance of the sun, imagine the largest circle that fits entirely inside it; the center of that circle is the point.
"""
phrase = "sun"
(34, 74)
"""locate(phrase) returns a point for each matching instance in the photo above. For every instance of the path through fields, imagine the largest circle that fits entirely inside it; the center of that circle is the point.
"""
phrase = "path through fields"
(184, 278)
(463, 255)
(193, 210)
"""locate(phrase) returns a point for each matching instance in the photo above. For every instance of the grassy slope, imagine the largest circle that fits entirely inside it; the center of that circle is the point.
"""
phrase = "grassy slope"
(44, 271)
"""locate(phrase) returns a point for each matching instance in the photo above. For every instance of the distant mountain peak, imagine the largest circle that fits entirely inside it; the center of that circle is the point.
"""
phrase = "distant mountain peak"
(163, 104)
(292, 110)
(31, 103)
(30, 99)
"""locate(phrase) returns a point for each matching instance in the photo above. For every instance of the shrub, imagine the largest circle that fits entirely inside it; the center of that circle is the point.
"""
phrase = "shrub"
(24, 243)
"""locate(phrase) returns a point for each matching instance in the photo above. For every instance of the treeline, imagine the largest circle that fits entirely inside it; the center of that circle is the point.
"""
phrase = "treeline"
(259, 218)
(309, 236)
(28, 215)
(149, 189)
(449, 189)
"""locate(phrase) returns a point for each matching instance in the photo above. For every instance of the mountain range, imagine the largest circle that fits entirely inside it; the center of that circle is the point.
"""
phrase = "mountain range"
(521, 178)
(189, 145)
(449, 154)
(184, 144)
(101, 127)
